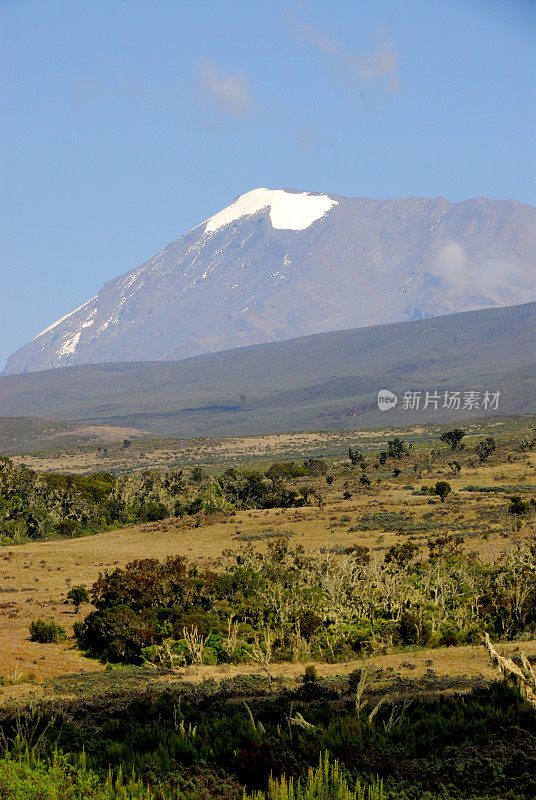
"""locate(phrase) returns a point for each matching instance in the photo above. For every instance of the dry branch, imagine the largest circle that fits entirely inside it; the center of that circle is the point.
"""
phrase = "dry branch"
(523, 678)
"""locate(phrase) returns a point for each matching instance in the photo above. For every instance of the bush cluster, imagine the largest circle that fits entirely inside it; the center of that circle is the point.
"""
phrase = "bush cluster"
(46, 631)
(37, 505)
(289, 605)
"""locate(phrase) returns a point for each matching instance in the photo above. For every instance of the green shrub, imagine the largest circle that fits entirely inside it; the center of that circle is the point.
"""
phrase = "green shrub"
(442, 488)
(286, 469)
(25, 777)
(450, 636)
(153, 511)
(518, 506)
(315, 466)
(117, 634)
(67, 527)
(46, 631)
(411, 630)
(323, 783)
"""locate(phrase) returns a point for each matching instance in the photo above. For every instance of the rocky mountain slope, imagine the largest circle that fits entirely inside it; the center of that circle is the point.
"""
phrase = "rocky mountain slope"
(278, 264)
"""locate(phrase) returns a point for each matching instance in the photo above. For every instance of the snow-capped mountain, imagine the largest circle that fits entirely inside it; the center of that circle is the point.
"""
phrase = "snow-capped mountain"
(277, 264)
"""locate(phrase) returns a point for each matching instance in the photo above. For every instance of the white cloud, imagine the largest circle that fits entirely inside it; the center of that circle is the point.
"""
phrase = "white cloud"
(494, 278)
(450, 265)
(380, 66)
(230, 92)
(376, 67)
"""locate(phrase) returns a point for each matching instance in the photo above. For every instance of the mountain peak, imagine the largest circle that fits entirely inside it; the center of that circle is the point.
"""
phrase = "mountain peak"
(270, 267)
(288, 210)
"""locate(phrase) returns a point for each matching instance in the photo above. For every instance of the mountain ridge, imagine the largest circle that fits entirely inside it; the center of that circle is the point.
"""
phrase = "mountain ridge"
(294, 264)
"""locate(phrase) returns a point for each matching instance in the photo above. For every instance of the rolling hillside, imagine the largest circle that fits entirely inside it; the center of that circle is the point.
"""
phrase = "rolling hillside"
(324, 381)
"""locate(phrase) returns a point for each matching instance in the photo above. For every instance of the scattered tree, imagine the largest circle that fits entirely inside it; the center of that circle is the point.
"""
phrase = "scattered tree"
(396, 448)
(355, 456)
(453, 438)
(78, 595)
(485, 448)
(442, 489)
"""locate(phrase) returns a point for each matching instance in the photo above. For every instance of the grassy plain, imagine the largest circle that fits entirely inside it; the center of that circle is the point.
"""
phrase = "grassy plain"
(35, 577)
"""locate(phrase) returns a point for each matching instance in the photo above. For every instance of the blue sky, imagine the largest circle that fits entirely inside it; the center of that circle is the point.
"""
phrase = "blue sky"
(125, 124)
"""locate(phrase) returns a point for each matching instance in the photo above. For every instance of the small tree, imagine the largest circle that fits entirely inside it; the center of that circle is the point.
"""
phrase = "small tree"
(396, 448)
(485, 448)
(354, 455)
(261, 653)
(442, 488)
(78, 595)
(197, 474)
(453, 438)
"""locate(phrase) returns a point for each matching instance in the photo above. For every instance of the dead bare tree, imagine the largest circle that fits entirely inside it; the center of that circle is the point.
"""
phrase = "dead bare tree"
(365, 679)
(261, 653)
(523, 678)
(195, 643)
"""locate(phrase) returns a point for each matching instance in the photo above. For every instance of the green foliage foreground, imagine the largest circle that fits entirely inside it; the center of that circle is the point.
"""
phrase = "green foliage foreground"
(323, 783)
(24, 776)
(201, 742)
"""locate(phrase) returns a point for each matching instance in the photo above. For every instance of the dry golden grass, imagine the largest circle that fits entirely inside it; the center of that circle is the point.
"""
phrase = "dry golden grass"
(158, 453)
(35, 577)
